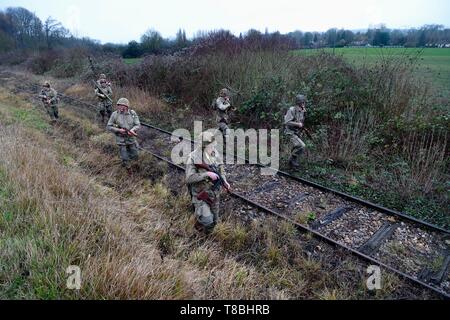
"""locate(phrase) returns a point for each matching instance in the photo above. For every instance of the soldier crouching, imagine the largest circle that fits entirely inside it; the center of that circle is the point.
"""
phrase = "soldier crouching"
(205, 176)
(124, 123)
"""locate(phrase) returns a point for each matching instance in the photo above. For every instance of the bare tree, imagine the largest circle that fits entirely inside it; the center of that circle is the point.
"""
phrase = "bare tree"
(27, 27)
(53, 31)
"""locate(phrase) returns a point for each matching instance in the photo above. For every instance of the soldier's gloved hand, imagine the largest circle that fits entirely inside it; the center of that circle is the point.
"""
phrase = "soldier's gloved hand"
(122, 131)
(227, 185)
(213, 176)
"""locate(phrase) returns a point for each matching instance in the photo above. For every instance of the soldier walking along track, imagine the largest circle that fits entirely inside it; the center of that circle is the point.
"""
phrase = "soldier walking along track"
(363, 229)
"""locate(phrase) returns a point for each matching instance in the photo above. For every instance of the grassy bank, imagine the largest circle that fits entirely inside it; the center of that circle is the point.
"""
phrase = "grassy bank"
(64, 200)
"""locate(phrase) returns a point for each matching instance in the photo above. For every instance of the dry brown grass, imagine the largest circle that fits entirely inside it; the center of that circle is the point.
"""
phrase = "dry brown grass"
(72, 204)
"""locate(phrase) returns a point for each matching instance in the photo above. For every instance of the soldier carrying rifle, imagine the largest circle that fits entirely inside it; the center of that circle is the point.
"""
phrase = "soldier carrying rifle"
(294, 123)
(103, 92)
(205, 177)
(222, 105)
(49, 98)
(124, 123)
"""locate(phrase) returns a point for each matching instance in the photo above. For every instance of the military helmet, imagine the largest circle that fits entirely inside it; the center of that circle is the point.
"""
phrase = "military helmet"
(124, 102)
(300, 99)
(224, 92)
(46, 84)
(102, 76)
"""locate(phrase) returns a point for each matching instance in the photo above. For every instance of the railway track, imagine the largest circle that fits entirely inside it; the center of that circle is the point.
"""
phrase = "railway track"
(415, 250)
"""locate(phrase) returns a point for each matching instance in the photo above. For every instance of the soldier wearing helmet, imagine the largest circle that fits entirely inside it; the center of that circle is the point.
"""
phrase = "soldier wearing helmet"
(222, 105)
(124, 123)
(104, 97)
(49, 98)
(294, 122)
(202, 183)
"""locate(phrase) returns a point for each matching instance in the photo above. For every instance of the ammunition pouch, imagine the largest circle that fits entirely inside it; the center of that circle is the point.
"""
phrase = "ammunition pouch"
(204, 196)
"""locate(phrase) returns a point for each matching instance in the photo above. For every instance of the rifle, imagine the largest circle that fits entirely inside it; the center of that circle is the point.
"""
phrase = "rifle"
(44, 97)
(130, 133)
(101, 90)
(220, 182)
(127, 131)
(91, 64)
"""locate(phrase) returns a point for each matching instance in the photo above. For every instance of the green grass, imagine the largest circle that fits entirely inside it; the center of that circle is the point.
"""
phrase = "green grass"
(30, 263)
(132, 60)
(29, 117)
(433, 66)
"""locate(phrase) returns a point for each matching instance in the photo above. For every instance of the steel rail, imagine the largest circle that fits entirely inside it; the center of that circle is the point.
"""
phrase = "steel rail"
(347, 196)
(363, 202)
(319, 235)
(304, 228)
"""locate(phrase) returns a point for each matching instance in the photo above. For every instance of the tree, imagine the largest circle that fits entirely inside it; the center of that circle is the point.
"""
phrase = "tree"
(307, 39)
(53, 31)
(381, 37)
(26, 27)
(331, 36)
(181, 40)
(398, 38)
(133, 50)
(152, 42)
(348, 36)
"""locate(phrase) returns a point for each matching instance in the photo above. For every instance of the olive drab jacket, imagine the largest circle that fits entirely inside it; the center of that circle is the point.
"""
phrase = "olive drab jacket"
(222, 105)
(124, 120)
(197, 178)
(51, 94)
(294, 114)
(107, 90)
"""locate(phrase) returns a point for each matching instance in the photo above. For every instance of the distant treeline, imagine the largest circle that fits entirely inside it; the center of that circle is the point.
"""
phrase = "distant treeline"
(21, 29)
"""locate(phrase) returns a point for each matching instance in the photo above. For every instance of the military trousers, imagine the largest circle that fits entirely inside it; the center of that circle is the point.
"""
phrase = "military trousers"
(105, 109)
(127, 153)
(223, 127)
(207, 215)
(52, 111)
(297, 145)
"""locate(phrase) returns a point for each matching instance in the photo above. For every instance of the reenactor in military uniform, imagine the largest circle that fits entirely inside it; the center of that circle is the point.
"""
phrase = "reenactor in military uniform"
(124, 123)
(222, 105)
(101, 77)
(104, 97)
(294, 122)
(205, 176)
(50, 99)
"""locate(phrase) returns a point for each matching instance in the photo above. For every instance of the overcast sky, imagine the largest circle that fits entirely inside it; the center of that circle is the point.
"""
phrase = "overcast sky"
(123, 21)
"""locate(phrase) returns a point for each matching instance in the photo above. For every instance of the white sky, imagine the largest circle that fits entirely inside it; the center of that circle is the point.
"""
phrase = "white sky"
(123, 21)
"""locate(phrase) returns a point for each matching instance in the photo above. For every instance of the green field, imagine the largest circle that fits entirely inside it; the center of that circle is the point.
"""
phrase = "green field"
(132, 60)
(434, 63)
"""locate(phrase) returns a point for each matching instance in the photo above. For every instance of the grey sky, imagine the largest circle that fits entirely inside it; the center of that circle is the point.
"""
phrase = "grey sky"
(122, 21)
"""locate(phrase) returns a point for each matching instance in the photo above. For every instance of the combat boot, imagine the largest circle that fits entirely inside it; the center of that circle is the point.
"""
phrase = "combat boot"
(209, 229)
(293, 162)
(199, 227)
